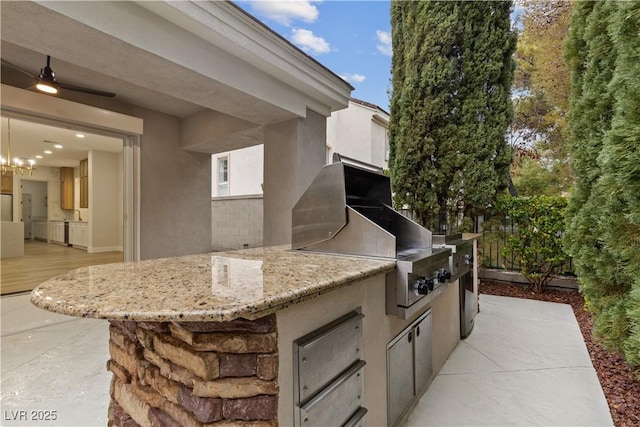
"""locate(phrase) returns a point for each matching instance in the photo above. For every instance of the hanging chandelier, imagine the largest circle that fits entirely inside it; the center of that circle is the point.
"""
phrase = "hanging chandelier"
(16, 165)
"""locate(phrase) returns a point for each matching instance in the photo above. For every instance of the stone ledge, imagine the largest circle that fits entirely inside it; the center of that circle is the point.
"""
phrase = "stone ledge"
(204, 365)
(227, 342)
(161, 380)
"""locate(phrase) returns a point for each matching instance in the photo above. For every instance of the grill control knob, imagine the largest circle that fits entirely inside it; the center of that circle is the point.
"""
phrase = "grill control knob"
(423, 286)
(443, 275)
(468, 259)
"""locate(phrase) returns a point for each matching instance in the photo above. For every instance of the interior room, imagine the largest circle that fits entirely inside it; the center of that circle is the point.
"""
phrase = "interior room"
(62, 191)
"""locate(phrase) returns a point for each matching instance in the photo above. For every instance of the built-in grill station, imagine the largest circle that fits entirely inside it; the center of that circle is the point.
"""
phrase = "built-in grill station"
(347, 210)
(461, 267)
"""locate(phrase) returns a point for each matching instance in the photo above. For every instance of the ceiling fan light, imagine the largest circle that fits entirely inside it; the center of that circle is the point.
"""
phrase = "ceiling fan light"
(47, 79)
(46, 87)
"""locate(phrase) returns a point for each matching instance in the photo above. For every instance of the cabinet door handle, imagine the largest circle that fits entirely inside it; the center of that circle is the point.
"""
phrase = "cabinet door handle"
(418, 331)
(410, 336)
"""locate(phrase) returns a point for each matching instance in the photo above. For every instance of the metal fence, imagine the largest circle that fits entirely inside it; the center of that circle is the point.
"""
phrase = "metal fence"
(495, 233)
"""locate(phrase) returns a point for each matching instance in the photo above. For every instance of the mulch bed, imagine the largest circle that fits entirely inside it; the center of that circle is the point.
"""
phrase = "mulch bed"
(620, 384)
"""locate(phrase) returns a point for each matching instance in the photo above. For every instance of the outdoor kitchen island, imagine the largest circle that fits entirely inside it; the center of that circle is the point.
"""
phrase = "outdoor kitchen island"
(249, 338)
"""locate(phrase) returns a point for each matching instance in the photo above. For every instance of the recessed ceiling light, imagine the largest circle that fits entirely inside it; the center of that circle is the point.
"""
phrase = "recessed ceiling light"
(79, 135)
(38, 157)
(58, 146)
(48, 152)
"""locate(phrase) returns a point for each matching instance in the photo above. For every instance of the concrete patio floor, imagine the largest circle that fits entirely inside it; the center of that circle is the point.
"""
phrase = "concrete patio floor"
(525, 364)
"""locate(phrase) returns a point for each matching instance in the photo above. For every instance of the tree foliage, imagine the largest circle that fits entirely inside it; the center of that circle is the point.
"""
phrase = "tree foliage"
(541, 89)
(603, 228)
(452, 71)
(538, 179)
(537, 243)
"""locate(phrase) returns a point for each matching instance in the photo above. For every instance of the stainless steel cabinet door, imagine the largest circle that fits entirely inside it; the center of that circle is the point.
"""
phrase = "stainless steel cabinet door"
(422, 351)
(400, 376)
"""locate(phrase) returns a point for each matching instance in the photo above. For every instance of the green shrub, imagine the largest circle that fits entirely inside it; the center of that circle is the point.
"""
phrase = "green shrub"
(536, 244)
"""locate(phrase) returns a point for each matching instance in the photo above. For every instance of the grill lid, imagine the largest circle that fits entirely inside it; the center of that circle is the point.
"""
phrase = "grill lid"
(347, 210)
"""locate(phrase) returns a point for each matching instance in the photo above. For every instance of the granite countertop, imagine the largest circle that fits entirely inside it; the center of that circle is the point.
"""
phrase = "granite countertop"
(218, 286)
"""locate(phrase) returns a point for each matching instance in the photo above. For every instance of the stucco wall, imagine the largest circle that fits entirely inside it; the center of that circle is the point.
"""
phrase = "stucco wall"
(378, 330)
(236, 221)
(175, 188)
(294, 153)
(354, 133)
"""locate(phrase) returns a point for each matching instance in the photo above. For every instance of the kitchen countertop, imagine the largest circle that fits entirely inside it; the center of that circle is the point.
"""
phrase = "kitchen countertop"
(218, 286)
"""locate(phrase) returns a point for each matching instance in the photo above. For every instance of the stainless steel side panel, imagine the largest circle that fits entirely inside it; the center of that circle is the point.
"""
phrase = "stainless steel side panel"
(324, 354)
(360, 237)
(336, 404)
(410, 234)
(320, 212)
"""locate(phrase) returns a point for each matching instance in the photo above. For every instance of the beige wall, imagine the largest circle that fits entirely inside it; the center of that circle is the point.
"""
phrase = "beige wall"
(378, 330)
(175, 191)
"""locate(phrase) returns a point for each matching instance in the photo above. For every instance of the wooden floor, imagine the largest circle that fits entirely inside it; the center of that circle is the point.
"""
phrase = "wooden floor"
(42, 261)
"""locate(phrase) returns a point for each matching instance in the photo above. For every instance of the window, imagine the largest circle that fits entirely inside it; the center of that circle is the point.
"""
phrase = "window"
(386, 145)
(223, 176)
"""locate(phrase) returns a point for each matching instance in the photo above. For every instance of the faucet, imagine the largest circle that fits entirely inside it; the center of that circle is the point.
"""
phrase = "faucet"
(79, 214)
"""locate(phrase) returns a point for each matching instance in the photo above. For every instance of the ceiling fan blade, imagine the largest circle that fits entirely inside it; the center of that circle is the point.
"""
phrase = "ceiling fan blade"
(14, 66)
(86, 90)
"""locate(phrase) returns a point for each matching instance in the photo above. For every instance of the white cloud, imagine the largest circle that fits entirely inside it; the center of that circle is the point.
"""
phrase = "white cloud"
(384, 42)
(286, 11)
(353, 78)
(308, 42)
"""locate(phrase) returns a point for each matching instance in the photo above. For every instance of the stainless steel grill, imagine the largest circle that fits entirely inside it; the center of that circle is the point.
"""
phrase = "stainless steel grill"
(347, 210)
(461, 260)
(461, 267)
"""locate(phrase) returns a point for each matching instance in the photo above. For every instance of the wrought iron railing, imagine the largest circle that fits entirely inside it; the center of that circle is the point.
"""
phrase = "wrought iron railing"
(495, 233)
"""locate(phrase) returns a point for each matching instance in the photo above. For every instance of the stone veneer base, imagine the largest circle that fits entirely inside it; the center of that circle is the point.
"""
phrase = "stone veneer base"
(194, 373)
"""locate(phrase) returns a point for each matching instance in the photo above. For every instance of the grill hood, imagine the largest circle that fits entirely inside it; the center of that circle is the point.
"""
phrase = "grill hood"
(347, 210)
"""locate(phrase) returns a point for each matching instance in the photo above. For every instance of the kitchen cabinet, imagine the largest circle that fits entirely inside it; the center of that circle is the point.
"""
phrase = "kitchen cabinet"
(56, 229)
(400, 371)
(78, 234)
(84, 183)
(66, 188)
(409, 367)
(7, 182)
(40, 229)
(422, 354)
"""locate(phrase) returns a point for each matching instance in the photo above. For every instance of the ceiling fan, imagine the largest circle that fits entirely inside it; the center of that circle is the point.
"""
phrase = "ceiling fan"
(46, 81)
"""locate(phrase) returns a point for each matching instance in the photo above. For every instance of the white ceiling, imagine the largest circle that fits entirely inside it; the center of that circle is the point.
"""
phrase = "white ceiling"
(30, 139)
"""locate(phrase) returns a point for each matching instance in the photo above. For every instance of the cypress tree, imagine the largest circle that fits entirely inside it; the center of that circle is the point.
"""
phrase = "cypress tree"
(487, 110)
(591, 62)
(450, 108)
(621, 170)
(603, 230)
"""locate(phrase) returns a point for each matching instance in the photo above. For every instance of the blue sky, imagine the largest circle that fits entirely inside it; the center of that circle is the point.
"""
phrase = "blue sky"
(351, 38)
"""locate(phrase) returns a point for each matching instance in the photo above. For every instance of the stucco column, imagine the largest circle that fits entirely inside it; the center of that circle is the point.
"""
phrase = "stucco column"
(294, 152)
